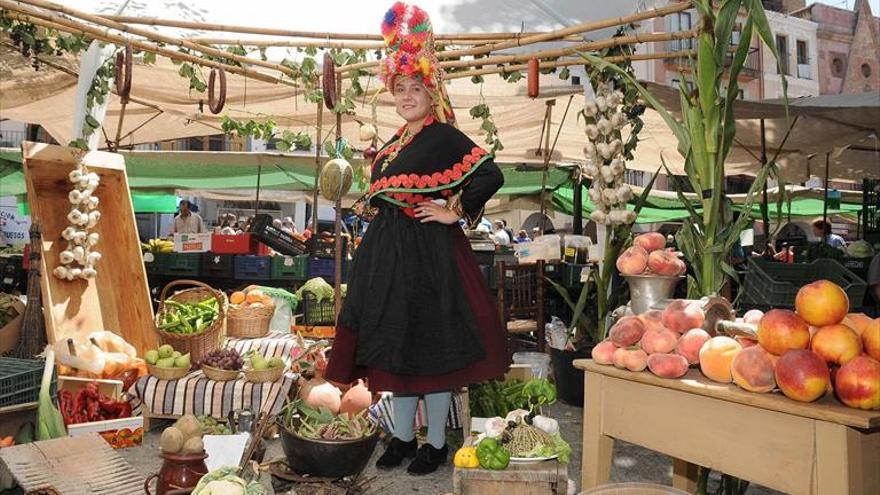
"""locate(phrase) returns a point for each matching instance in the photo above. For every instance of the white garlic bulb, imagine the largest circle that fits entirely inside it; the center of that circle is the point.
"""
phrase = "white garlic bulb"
(590, 108)
(618, 120)
(93, 238)
(75, 197)
(599, 216)
(590, 150)
(93, 218)
(608, 196)
(92, 202)
(604, 126)
(367, 132)
(65, 256)
(89, 273)
(616, 146)
(604, 150)
(74, 273)
(607, 174)
(75, 176)
(617, 217)
(75, 217)
(630, 216)
(624, 193)
(60, 271)
(617, 167)
(79, 254)
(592, 131)
(79, 236)
(68, 233)
(93, 258)
(591, 170)
(595, 195)
(601, 103)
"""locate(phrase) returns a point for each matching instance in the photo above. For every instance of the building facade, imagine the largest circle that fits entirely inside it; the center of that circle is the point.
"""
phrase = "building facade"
(848, 47)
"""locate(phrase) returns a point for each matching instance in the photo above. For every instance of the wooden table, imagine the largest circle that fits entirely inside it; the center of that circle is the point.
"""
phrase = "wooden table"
(818, 448)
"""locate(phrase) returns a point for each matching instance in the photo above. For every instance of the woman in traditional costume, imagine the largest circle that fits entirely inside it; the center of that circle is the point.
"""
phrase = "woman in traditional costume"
(418, 319)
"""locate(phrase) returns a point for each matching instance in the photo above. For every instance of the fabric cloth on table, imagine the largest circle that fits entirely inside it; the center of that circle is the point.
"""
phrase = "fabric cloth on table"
(196, 394)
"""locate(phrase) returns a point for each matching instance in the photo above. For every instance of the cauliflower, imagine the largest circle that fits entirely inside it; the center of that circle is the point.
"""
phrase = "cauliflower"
(317, 287)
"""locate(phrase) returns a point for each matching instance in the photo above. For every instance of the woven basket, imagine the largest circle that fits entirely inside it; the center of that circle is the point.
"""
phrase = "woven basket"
(167, 373)
(219, 375)
(264, 376)
(200, 344)
(249, 322)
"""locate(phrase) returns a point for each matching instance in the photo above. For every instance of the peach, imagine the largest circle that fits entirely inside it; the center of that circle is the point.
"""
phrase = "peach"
(659, 341)
(858, 322)
(822, 303)
(653, 320)
(633, 261)
(745, 341)
(753, 369)
(667, 365)
(635, 359)
(603, 351)
(780, 330)
(836, 344)
(618, 358)
(690, 343)
(753, 316)
(681, 315)
(664, 263)
(802, 375)
(871, 339)
(651, 241)
(627, 331)
(857, 383)
(716, 356)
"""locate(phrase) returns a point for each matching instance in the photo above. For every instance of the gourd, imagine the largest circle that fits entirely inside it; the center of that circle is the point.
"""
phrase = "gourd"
(317, 393)
(357, 399)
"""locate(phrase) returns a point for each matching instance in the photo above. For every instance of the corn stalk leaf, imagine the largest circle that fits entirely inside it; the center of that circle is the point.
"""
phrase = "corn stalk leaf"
(724, 24)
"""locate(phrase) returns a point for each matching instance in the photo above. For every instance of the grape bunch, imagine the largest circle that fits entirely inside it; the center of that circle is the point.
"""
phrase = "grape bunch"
(225, 359)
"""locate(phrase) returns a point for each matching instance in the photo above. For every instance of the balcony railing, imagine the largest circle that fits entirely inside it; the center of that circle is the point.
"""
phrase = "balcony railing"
(12, 139)
(751, 68)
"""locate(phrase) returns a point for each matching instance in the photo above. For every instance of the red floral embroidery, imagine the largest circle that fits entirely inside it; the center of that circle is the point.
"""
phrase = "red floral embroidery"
(415, 181)
(418, 198)
(456, 174)
(465, 167)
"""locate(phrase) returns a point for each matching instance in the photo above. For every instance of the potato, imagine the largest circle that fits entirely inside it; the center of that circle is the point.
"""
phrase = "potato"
(189, 426)
(171, 440)
(193, 446)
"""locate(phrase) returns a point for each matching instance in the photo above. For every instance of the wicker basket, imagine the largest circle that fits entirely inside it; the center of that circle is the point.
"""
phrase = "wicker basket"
(200, 344)
(167, 373)
(264, 376)
(249, 322)
(219, 375)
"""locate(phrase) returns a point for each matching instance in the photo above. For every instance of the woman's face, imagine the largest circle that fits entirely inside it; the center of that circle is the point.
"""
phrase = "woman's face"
(412, 99)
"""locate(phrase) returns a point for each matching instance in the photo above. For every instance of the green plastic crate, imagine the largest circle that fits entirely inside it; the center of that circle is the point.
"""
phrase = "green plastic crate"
(180, 264)
(290, 267)
(774, 285)
(20, 381)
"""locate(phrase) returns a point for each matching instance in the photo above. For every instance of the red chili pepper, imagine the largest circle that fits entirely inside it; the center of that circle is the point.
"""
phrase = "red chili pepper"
(93, 410)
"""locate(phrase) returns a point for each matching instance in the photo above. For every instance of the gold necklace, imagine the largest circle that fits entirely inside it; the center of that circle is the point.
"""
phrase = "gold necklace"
(404, 140)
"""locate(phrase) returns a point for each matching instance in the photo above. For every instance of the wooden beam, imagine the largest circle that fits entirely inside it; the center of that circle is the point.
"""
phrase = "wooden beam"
(153, 36)
(230, 28)
(549, 36)
(20, 13)
(308, 43)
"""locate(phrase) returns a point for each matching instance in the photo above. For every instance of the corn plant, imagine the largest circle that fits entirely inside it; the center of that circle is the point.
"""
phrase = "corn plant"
(705, 131)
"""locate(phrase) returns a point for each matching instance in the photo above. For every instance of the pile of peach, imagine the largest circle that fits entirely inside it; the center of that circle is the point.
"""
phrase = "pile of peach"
(647, 257)
(805, 353)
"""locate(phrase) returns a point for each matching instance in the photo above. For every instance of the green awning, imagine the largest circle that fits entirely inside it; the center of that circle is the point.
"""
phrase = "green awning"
(563, 201)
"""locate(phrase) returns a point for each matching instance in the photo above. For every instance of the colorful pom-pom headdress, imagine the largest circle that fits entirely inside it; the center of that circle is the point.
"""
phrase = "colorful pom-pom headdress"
(409, 52)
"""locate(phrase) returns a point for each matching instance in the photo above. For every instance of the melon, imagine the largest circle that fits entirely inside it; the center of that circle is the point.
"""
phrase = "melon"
(335, 179)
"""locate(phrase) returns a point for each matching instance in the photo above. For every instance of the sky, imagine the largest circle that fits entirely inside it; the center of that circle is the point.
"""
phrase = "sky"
(848, 4)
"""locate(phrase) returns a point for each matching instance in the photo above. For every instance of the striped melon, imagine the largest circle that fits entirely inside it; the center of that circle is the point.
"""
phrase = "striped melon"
(335, 179)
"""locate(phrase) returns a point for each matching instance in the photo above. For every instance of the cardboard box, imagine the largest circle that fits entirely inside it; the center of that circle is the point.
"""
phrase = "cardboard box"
(192, 243)
(119, 433)
(10, 332)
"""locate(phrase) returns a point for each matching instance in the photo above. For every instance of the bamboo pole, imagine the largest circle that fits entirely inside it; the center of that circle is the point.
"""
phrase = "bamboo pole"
(61, 24)
(583, 47)
(565, 63)
(339, 44)
(153, 36)
(549, 36)
(230, 28)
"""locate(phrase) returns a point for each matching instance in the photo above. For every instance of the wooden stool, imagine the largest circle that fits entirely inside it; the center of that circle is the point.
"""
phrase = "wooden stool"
(540, 478)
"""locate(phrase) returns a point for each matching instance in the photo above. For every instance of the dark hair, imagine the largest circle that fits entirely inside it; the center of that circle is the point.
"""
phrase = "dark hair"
(822, 225)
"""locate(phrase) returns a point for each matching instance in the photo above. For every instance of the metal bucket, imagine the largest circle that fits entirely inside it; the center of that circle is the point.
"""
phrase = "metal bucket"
(647, 290)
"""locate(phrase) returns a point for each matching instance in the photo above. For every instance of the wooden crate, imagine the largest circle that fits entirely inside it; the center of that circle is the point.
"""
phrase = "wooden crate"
(118, 299)
(541, 478)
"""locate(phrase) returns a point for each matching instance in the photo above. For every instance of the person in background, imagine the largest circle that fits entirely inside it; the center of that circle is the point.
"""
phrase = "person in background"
(308, 232)
(536, 232)
(786, 254)
(873, 280)
(521, 236)
(508, 230)
(822, 230)
(288, 226)
(499, 235)
(187, 221)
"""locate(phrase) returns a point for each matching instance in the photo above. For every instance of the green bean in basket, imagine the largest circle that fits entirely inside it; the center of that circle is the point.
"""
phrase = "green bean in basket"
(189, 318)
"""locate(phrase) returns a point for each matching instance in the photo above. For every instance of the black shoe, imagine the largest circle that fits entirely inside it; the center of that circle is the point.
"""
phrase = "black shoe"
(397, 451)
(428, 459)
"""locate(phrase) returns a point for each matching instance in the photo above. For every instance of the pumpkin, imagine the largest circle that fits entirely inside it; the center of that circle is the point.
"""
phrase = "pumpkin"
(335, 179)
(357, 399)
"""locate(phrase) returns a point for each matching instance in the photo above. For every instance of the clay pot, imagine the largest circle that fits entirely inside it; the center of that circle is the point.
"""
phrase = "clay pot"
(180, 473)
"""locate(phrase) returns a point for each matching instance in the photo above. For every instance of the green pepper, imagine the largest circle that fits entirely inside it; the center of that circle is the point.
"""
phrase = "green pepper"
(541, 390)
(492, 455)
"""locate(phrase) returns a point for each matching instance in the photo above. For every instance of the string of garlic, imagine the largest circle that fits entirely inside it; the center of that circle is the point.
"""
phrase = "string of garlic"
(78, 259)
(605, 161)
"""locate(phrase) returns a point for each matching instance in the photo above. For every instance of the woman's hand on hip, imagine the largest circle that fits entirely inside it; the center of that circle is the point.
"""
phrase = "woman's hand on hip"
(429, 211)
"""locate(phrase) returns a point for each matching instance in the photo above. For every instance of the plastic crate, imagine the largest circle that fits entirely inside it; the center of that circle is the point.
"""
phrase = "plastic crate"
(318, 313)
(774, 284)
(276, 238)
(290, 267)
(326, 249)
(13, 275)
(20, 381)
(247, 267)
(180, 264)
(217, 265)
(571, 274)
(325, 268)
(234, 244)
(154, 263)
